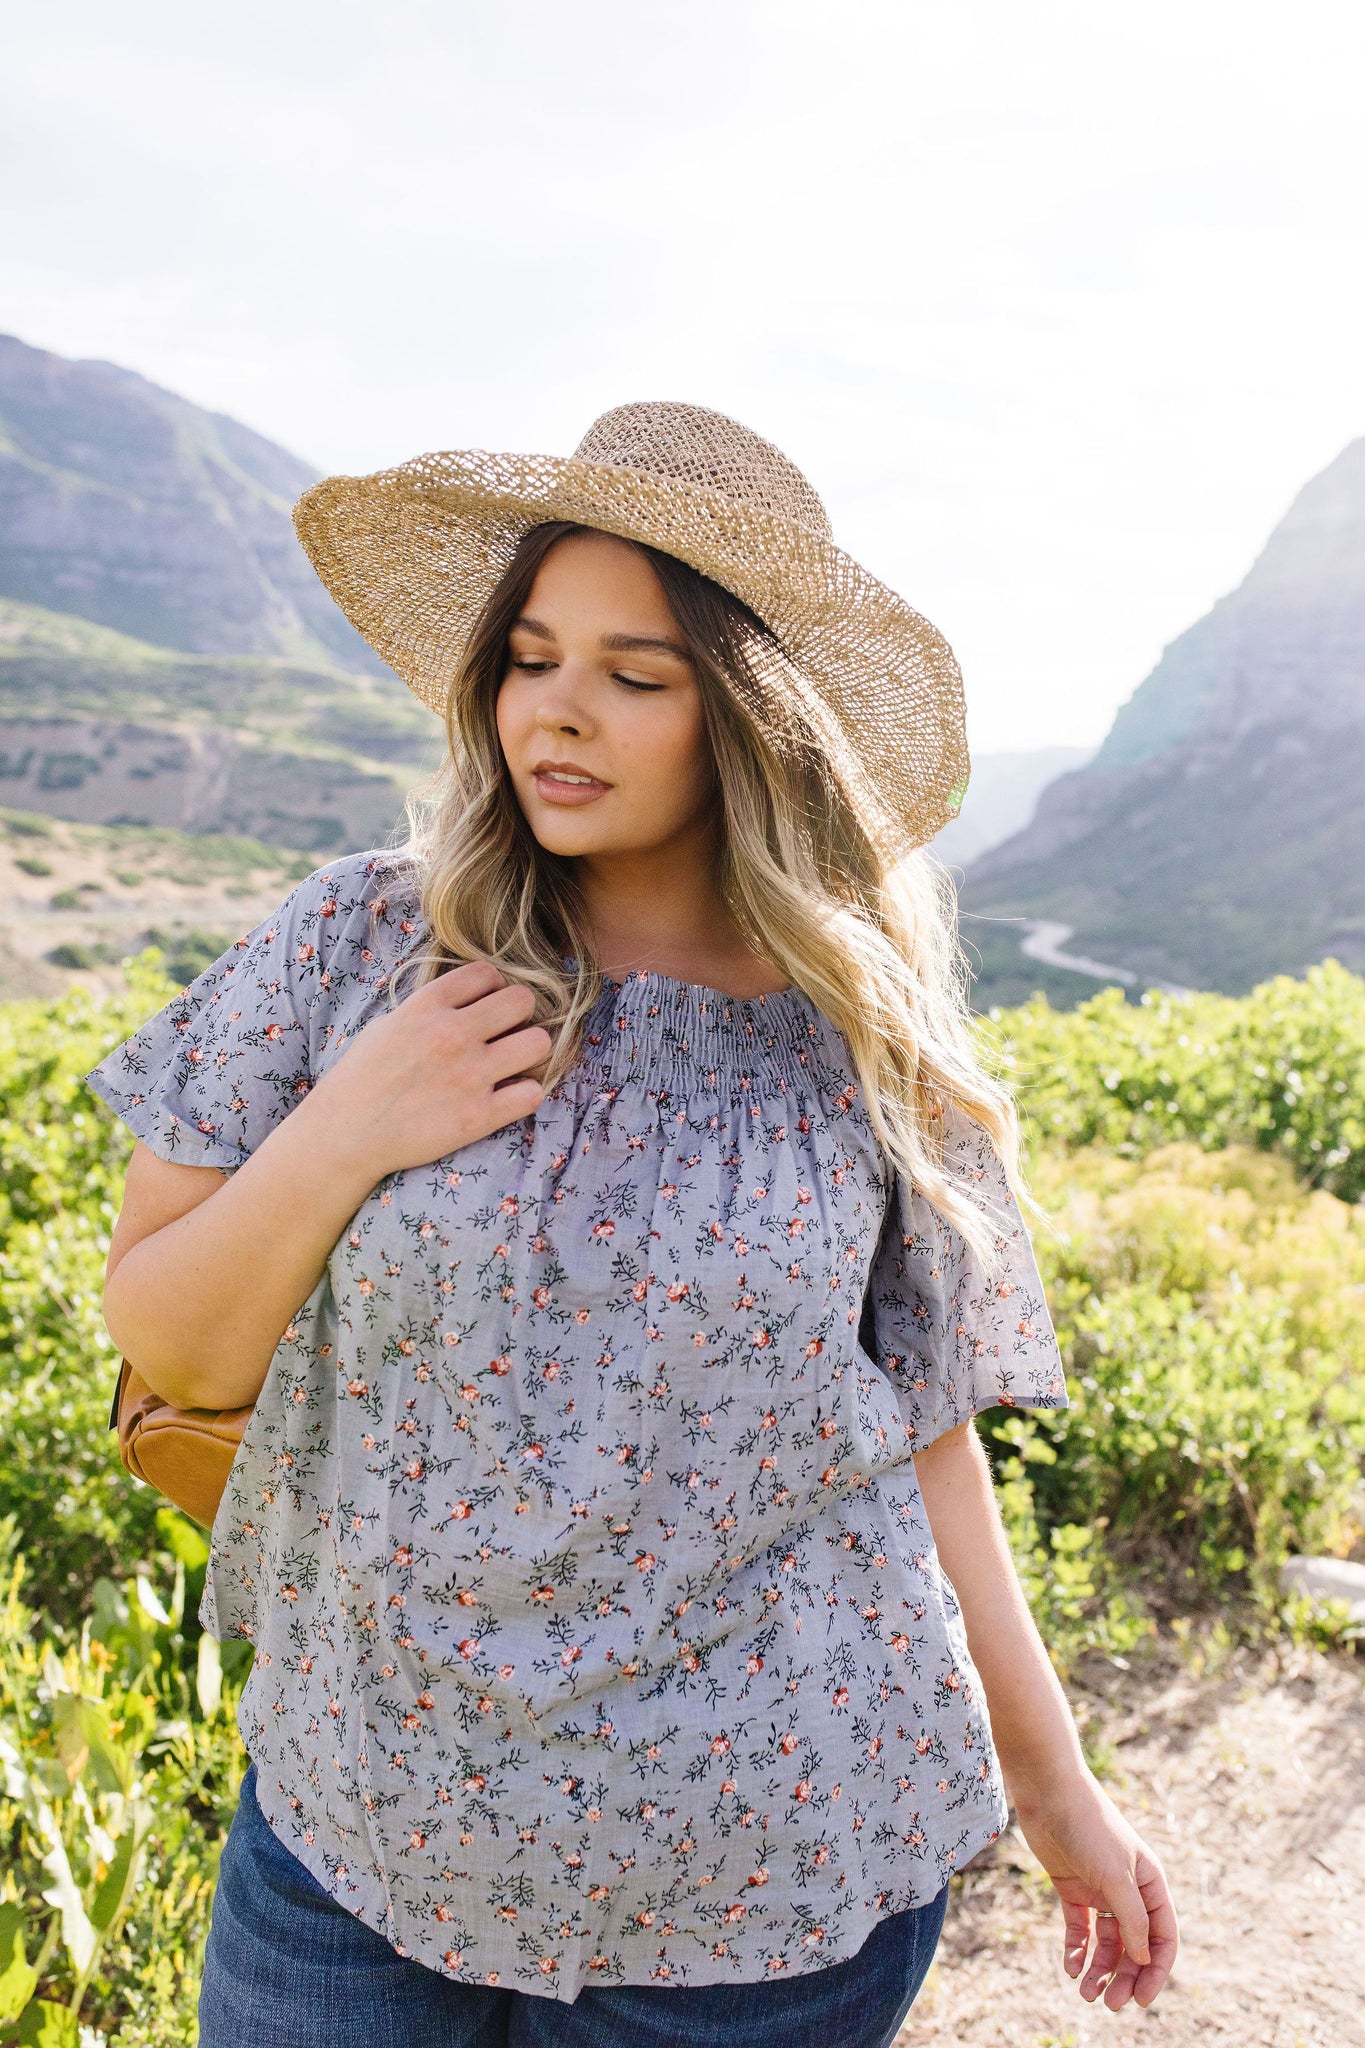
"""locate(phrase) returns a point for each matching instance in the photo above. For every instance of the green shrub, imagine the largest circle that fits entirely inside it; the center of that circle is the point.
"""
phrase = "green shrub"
(1211, 1313)
(1209, 1296)
(187, 952)
(62, 1161)
(1282, 1068)
(120, 1768)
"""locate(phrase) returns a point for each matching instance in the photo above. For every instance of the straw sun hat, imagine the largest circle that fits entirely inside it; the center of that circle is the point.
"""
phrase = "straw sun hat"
(411, 553)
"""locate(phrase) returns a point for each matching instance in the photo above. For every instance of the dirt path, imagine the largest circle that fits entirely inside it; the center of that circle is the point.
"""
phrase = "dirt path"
(1250, 1785)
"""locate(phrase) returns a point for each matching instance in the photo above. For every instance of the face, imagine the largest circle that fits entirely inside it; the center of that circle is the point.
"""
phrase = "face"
(599, 714)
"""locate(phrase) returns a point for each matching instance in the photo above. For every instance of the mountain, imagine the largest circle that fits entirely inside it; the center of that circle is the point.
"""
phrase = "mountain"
(1218, 836)
(128, 506)
(167, 656)
(1001, 797)
(98, 727)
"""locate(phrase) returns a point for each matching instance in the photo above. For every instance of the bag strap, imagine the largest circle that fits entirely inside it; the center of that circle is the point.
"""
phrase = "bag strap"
(118, 1393)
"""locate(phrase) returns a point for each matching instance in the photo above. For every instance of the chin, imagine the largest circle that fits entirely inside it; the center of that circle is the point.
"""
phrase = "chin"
(568, 835)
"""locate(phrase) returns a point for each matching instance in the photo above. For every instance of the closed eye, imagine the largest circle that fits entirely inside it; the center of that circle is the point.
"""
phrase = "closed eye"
(531, 667)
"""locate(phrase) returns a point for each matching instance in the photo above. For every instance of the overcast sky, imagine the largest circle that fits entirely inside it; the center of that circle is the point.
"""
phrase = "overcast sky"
(1057, 305)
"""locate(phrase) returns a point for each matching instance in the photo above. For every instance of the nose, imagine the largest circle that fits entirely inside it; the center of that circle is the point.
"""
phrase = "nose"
(562, 706)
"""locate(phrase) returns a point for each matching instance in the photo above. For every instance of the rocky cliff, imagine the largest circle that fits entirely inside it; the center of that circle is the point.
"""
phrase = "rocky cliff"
(1219, 834)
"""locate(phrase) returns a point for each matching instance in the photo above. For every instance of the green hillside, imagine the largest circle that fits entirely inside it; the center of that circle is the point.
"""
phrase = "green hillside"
(102, 727)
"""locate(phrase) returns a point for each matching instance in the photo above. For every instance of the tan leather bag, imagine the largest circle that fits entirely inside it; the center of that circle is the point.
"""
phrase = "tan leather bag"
(185, 1453)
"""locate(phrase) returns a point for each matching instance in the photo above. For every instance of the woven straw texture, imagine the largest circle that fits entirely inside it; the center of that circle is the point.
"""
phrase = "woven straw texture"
(411, 553)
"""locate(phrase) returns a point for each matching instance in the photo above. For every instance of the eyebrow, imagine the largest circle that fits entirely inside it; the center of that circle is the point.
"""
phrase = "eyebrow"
(614, 643)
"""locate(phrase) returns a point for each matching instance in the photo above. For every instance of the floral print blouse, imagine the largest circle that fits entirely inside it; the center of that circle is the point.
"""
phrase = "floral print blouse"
(599, 1631)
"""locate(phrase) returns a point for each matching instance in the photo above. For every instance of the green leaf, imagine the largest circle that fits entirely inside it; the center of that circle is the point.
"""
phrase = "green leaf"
(44, 2025)
(109, 1896)
(18, 1978)
(85, 1740)
(182, 1538)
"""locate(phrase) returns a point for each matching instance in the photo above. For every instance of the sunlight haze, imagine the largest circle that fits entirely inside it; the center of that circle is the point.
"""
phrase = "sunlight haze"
(1057, 307)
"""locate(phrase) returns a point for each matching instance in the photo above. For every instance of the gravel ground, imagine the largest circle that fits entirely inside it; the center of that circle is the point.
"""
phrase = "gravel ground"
(1248, 1781)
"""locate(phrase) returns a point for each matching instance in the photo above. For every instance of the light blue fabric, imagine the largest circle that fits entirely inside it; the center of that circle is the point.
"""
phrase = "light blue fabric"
(600, 1636)
(287, 1967)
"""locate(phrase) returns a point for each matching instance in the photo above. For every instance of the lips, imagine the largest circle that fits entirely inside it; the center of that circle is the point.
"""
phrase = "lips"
(564, 782)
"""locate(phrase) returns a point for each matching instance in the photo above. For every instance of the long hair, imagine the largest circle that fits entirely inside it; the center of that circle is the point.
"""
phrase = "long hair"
(875, 948)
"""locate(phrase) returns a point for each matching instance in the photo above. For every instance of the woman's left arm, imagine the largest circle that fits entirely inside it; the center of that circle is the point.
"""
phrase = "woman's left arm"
(1096, 1861)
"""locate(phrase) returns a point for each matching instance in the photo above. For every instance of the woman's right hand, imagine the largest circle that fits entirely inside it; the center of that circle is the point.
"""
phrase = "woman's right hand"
(450, 1064)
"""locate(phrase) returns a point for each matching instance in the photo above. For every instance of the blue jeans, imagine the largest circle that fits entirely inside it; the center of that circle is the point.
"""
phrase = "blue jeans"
(287, 1967)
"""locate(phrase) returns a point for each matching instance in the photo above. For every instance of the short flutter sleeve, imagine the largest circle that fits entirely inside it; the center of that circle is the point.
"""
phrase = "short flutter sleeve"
(952, 1339)
(208, 1077)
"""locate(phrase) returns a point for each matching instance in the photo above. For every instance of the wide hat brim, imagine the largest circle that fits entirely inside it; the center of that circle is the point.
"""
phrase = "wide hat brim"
(410, 554)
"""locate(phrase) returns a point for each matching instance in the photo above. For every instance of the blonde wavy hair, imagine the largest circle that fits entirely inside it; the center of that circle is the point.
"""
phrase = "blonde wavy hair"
(875, 948)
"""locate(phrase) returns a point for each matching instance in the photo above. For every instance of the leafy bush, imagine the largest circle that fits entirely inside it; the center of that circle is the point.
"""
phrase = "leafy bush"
(119, 1775)
(62, 1161)
(187, 952)
(77, 953)
(1211, 1313)
(1282, 1068)
(1209, 1296)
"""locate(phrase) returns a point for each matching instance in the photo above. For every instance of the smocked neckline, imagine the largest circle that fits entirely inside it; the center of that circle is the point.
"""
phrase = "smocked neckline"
(672, 1034)
(647, 977)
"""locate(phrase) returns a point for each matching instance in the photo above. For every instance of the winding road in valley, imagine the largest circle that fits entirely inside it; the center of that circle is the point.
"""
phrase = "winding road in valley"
(1045, 941)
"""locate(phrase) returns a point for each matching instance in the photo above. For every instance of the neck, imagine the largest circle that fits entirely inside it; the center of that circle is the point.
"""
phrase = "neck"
(661, 911)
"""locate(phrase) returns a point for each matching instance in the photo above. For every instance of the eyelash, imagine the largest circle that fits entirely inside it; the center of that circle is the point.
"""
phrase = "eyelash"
(538, 668)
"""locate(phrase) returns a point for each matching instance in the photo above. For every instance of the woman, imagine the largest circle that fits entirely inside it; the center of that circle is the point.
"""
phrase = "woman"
(621, 1560)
